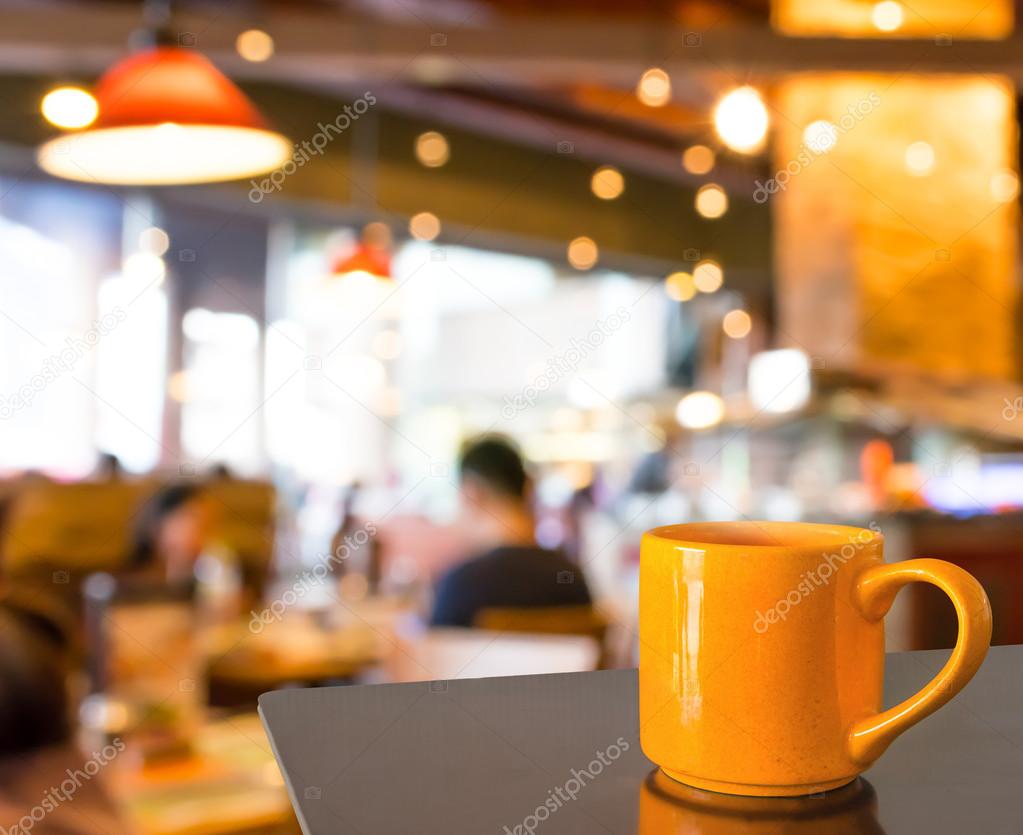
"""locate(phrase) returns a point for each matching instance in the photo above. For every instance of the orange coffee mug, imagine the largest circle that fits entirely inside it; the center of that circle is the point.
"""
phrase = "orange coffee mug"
(761, 660)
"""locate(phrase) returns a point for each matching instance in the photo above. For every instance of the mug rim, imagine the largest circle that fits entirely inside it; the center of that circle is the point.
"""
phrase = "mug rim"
(749, 535)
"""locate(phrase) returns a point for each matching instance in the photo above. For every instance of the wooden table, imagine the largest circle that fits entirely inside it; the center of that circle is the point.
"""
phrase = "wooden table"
(472, 756)
(299, 650)
(230, 785)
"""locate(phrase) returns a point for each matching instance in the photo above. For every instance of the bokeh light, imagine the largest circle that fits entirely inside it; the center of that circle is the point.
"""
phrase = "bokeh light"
(679, 286)
(698, 159)
(820, 136)
(708, 276)
(424, 226)
(736, 324)
(432, 149)
(711, 201)
(887, 16)
(144, 267)
(919, 159)
(154, 240)
(69, 108)
(700, 410)
(582, 253)
(607, 182)
(654, 88)
(255, 45)
(1004, 185)
(741, 121)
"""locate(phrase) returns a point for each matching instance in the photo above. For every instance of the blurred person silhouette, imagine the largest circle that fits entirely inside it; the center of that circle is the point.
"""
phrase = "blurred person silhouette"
(580, 506)
(47, 786)
(221, 472)
(367, 560)
(509, 569)
(654, 472)
(108, 467)
(170, 534)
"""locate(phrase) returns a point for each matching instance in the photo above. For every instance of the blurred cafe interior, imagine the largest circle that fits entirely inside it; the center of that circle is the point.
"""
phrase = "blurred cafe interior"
(328, 327)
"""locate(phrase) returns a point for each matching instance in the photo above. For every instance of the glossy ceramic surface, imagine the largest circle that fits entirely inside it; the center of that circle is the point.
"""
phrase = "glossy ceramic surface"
(762, 653)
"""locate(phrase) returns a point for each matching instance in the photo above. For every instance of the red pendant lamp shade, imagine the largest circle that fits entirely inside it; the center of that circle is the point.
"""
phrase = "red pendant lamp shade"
(167, 115)
(170, 84)
(371, 253)
(366, 258)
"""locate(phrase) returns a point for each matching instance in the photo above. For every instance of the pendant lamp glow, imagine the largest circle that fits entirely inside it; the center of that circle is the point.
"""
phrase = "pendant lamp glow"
(167, 116)
(371, 254)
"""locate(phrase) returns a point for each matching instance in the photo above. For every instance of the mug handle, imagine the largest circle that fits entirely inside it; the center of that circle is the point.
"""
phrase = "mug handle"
(874, 594)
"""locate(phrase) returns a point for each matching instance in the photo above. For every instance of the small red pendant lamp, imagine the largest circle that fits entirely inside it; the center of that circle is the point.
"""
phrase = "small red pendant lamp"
(167, 116)
(371, 254)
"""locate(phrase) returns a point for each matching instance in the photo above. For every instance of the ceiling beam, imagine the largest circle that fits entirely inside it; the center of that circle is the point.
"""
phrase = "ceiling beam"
(522, 49)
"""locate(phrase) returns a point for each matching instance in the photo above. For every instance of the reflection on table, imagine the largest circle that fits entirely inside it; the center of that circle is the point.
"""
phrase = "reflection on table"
(667, 807)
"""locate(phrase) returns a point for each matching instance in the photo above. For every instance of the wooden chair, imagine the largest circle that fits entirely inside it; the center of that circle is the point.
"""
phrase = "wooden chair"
(549, 620)
(452, 653)
(245, 514)
(84, 526)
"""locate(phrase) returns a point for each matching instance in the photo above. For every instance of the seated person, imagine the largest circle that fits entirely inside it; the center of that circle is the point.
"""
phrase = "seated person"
(170, 533)
(46, 784)
(510, 570)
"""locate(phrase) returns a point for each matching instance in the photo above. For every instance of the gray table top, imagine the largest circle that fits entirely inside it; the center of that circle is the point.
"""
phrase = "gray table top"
(513, 755)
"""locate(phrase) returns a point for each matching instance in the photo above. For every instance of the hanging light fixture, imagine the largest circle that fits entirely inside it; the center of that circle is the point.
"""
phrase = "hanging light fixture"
(167, 116)
(370, 256)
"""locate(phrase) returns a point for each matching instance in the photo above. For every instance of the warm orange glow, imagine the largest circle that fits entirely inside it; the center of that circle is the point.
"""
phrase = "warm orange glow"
(654, 88)
(582, 253)
(741, 120)
(166, 116)
(737, 324)
(424, 226)
(164, 154)
(708, 276)
(680, 287)
(432, 149)
(888, 18)
(887, 15)
(607, 182)
(820, 136)
(700, 410)
(371, 256)
(711, 201)
(698, 159)
(1004, 185)
(255, 45)
(919, 159)
(938, 154)
(69, 108)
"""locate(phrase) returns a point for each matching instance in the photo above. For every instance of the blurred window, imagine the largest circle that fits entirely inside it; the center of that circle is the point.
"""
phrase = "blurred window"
(219, 390)
(54, 243)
